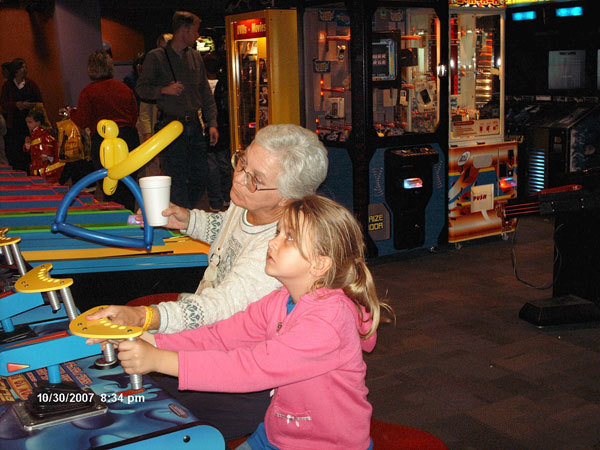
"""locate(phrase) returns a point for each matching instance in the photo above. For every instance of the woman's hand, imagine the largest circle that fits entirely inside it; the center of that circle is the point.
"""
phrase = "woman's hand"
(179, 218)
(134, 316)
(141, 357)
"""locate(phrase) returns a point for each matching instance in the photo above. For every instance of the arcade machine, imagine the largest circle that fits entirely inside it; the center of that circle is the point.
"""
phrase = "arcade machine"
(160, 265)
(54, 389)
(575, 206)
(561, 146)
(525, 117)
(373, 89)
(262, 69)
(18, 311)
(553, 104)
(482, 167)
(555, 137)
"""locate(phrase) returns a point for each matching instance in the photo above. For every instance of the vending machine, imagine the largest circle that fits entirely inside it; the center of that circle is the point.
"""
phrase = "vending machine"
(482, 167)
(262, 55)
(373, 91)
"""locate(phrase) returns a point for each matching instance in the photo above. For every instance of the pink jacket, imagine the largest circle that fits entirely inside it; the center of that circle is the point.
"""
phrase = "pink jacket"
(313, 356)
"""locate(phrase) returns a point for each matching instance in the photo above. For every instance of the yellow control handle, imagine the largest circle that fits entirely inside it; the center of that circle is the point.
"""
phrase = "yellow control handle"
(101, 328)
(7, 240)
(37, 280)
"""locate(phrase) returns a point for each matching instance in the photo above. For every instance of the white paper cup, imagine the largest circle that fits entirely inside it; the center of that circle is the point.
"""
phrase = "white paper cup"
(156, 192)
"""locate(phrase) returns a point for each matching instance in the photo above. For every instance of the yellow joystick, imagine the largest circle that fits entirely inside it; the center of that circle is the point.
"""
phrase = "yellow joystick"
(7, 240)
(37, 280)
(101, 328)
(105, 329)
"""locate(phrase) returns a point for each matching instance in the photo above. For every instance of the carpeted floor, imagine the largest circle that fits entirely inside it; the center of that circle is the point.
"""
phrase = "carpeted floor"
(460, 363)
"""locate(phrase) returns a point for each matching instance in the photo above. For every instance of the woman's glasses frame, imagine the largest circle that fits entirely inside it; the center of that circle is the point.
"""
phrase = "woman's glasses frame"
(238, 161)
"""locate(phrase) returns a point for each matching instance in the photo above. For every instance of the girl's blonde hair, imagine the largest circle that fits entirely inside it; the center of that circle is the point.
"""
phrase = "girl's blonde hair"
(330, 230)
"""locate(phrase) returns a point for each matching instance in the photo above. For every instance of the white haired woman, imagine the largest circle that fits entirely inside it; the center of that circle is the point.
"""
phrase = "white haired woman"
(284, 162)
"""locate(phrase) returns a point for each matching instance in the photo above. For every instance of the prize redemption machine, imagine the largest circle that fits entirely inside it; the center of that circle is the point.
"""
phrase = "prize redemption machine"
(262, 63)
(373, 93)
(482, 167)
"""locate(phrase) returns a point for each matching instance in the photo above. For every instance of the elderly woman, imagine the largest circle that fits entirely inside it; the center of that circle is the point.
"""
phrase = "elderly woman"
(283, 162)
(107, 98)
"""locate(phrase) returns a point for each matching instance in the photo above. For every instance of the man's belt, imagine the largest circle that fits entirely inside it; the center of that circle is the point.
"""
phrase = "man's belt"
(184, 119)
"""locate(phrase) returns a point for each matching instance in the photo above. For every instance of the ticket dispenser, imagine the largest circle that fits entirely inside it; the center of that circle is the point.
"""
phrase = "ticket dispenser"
(408, 188)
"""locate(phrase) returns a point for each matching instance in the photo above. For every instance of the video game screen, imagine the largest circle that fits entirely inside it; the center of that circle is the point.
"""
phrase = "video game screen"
(566, 69)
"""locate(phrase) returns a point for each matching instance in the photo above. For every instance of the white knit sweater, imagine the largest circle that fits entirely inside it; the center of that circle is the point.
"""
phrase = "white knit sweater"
(241, 277)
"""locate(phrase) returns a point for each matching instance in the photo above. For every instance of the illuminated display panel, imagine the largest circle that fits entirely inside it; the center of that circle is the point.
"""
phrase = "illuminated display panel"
(524, 15)
(514, 3)
(475, 76)
(569, 12)
(566, 69)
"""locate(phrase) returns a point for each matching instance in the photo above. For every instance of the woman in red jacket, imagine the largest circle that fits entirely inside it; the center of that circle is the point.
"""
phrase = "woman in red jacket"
(107, 98)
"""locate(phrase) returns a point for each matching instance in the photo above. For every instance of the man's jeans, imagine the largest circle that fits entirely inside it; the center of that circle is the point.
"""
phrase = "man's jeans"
(185, 162)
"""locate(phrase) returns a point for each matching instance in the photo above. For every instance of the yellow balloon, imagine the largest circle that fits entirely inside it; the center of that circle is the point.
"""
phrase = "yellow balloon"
(107, 128)
(146, 151)
(113, 151)
(109, 186)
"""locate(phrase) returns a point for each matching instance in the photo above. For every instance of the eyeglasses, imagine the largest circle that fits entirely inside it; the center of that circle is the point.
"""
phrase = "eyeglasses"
(238, 161)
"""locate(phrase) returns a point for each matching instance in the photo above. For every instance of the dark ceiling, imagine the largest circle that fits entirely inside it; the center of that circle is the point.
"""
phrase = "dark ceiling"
(157, 12)
(212, 12)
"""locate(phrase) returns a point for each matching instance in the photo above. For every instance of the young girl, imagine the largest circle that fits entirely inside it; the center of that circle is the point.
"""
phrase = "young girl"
(43, 148)
(305, 339)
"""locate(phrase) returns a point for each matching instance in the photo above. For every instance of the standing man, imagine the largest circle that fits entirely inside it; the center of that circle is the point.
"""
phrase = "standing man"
(175, 77)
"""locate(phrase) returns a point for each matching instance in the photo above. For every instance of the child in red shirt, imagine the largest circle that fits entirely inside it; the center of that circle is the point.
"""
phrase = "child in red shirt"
(43, 149)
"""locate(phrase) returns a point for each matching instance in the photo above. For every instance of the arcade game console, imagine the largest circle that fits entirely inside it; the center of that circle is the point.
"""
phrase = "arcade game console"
(482, 167)
(373, 91)
(54, 389)
(576, 273)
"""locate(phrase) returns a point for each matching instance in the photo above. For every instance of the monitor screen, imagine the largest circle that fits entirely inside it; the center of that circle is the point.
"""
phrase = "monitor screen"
(566, 69)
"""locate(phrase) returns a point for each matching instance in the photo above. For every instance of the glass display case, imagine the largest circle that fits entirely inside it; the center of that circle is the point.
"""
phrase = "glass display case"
(263, 72)
(327, 72)
(405, 56)
(373, 93)
(476, 74)
(482, 167)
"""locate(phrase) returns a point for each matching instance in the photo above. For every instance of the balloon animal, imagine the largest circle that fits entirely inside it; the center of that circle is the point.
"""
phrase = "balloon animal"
(118, 164)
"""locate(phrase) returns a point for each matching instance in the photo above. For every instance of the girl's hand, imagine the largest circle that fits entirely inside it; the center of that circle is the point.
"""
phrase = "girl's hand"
(141, 357)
